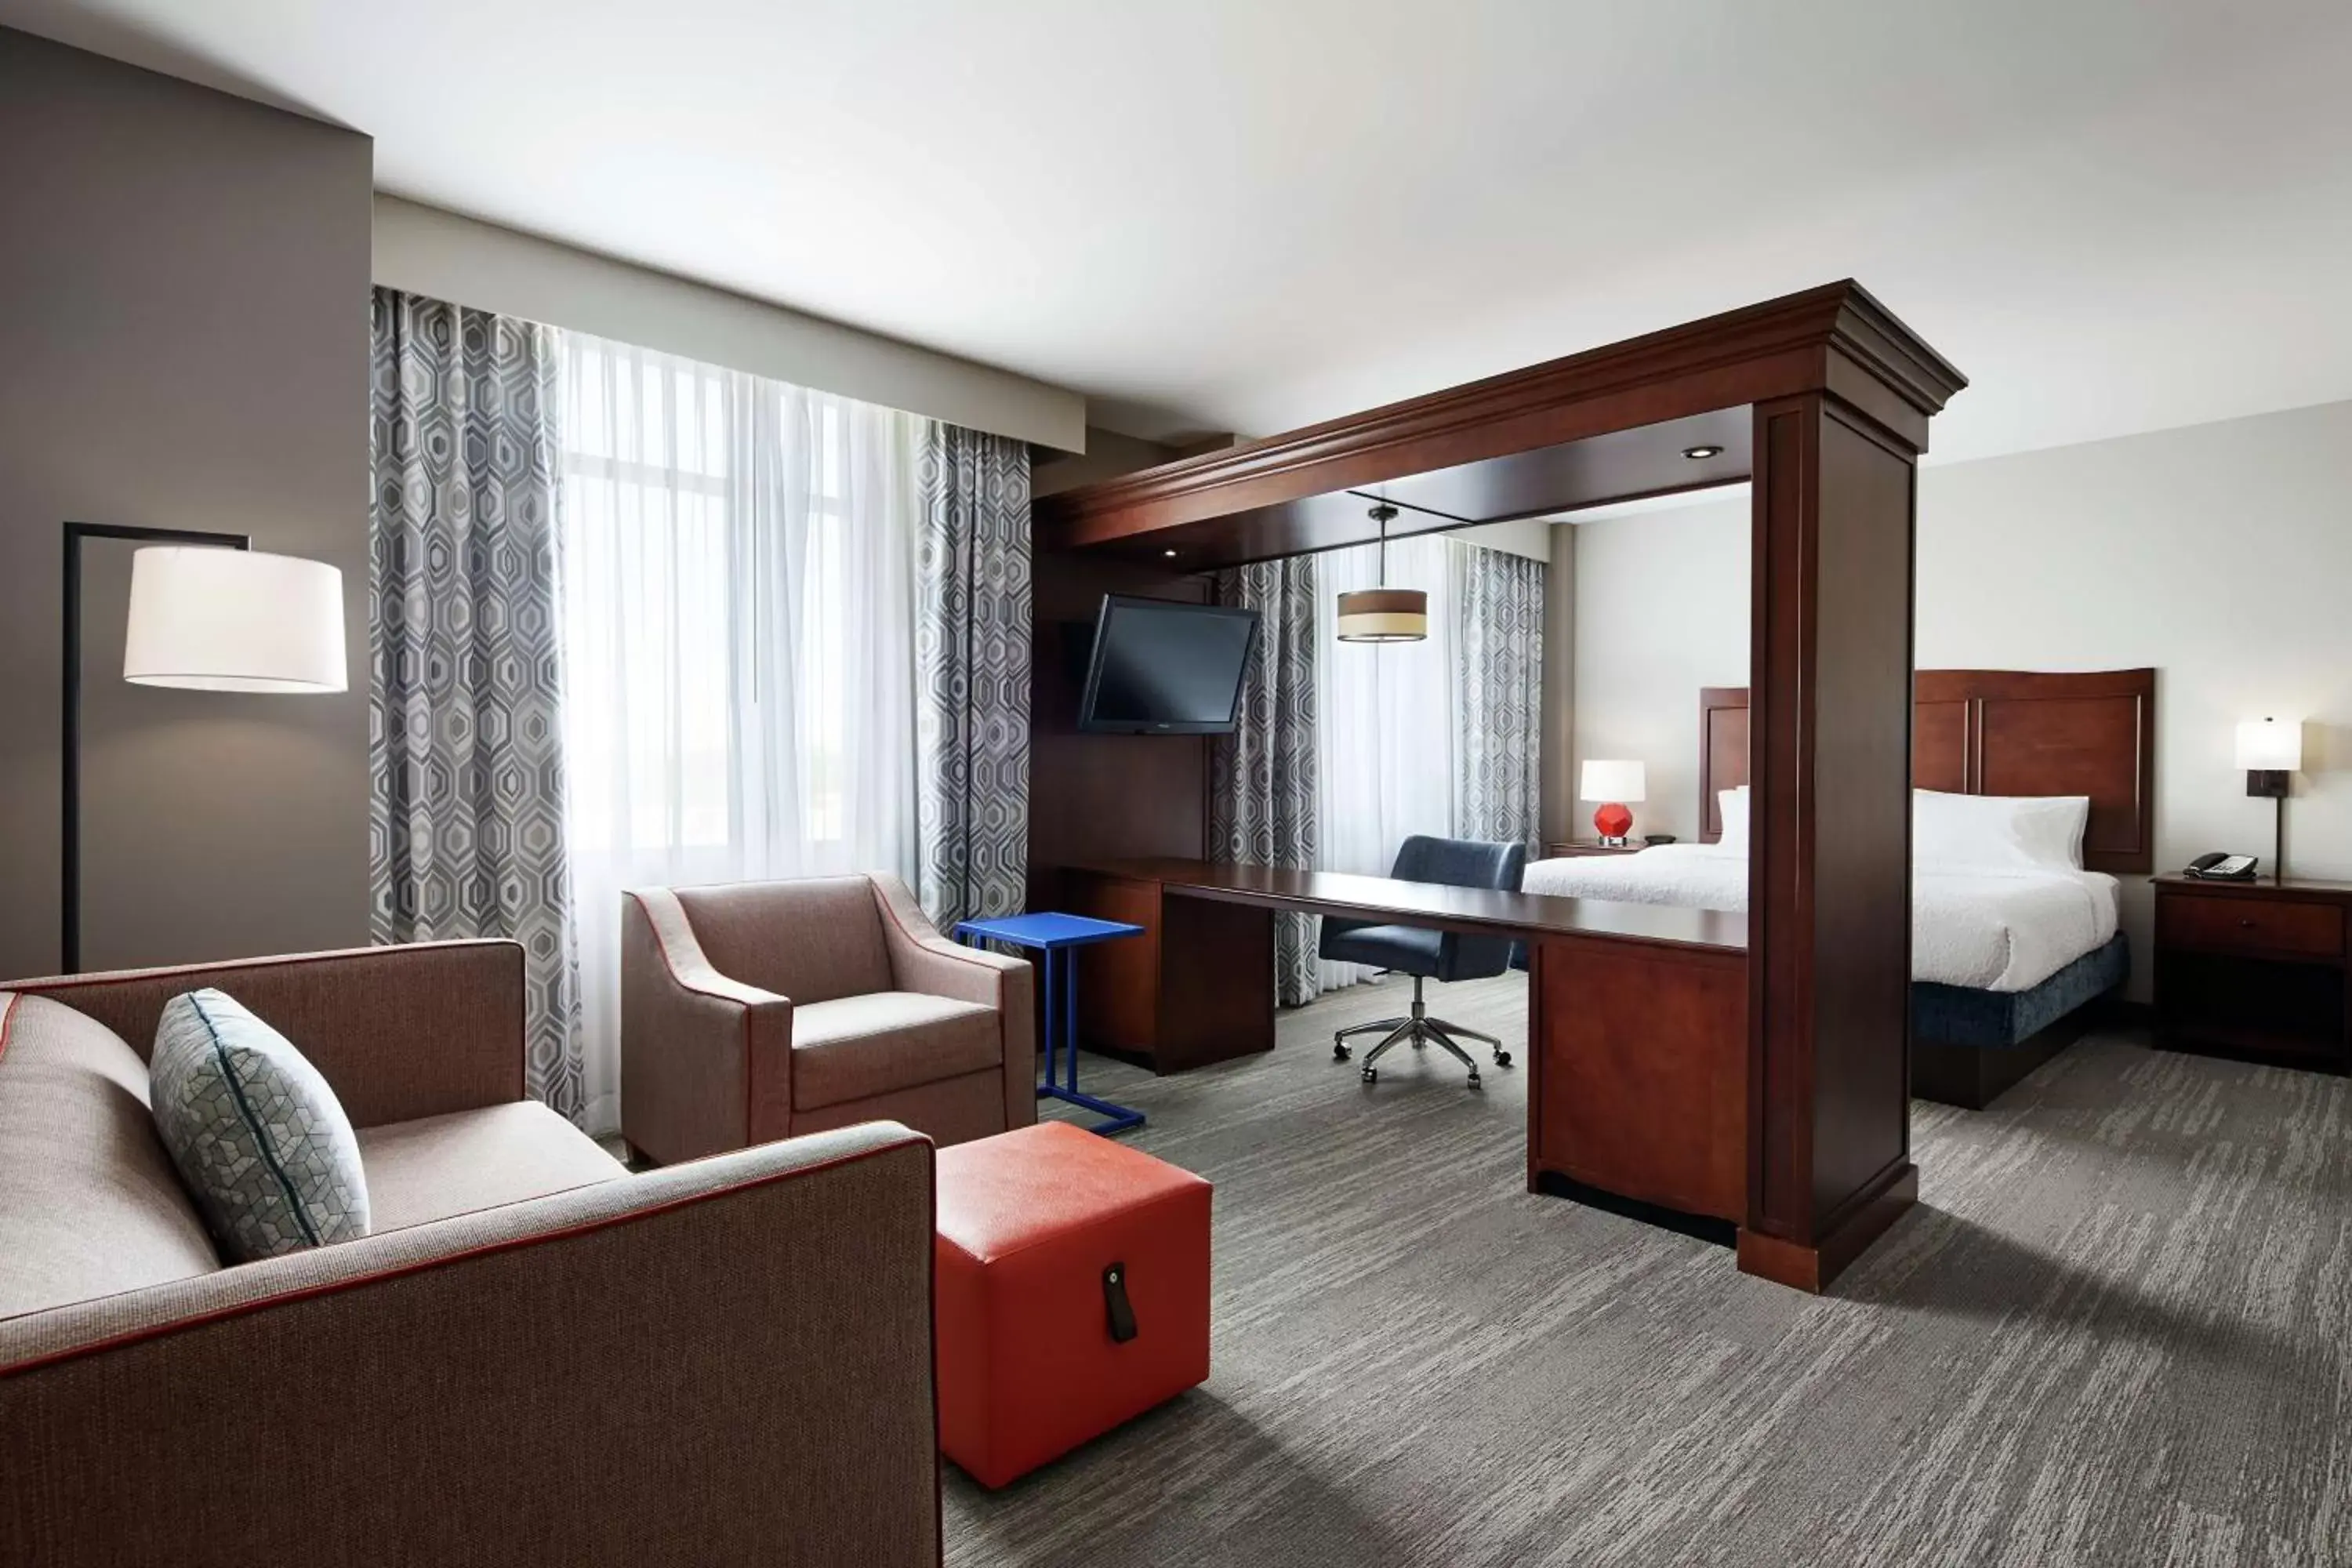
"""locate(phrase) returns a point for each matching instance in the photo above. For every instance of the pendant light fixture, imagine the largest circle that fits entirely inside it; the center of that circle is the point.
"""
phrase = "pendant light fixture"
(1384, 613)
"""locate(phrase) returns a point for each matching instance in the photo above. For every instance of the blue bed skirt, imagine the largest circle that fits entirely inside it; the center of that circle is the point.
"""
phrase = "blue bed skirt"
(1960, 1015)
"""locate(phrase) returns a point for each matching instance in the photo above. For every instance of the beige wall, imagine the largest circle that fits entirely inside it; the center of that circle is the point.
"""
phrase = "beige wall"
(426, 250)
(183, 343)
(1661, 610)
(2222, 554)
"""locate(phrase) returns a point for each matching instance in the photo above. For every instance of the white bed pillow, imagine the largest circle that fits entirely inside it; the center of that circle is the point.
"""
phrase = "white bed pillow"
(2044, 831)
(1732, 805)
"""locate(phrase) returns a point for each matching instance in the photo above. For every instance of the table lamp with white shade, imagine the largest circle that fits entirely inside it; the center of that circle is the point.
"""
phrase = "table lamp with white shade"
(208, 613)
(2269, 752)
(1613, 783)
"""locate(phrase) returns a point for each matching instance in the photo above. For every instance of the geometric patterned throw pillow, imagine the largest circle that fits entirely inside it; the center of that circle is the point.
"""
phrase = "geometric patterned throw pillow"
(259, 1138)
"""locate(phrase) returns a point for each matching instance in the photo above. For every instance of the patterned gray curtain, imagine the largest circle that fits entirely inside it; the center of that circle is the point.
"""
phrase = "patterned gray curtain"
(1262, 803)
(971, 676)
(1498, 609)
(464, 749)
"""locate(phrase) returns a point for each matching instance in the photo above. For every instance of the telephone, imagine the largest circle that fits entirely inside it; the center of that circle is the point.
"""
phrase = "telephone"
(2218, 866)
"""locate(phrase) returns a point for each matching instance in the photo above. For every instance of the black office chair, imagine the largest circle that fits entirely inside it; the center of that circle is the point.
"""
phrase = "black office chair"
(1430, 954)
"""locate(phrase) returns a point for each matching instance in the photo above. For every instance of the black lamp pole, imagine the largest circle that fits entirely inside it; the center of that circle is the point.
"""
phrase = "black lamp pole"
(70, 748)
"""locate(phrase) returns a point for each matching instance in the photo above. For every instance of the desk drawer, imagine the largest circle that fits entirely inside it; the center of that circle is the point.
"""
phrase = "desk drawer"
(2249, 925)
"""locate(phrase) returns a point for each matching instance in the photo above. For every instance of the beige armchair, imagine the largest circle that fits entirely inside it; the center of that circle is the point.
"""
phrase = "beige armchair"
(755, 1011)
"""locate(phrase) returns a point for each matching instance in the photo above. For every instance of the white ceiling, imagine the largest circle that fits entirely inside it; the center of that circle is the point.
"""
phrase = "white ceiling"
(2114, 215)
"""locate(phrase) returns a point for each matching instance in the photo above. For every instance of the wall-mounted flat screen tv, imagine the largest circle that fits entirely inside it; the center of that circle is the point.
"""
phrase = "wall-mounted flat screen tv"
(1163, 668)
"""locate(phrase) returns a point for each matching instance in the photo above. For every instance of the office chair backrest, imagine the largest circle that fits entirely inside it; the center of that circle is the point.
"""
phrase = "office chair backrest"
(1464, 863)
(1461, 863)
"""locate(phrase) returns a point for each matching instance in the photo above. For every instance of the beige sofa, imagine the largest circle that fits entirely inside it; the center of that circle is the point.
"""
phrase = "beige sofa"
(753, 1011)
(534, 1357)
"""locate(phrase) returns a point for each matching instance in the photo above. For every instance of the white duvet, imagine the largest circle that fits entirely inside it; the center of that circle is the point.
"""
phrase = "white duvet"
(1992, 927)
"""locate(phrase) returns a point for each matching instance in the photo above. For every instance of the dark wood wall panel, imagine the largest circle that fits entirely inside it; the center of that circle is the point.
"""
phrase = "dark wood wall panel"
(1101, 797)
(1942, 741)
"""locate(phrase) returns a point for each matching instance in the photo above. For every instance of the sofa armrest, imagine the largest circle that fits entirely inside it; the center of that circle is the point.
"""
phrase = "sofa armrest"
(651, 1369)
(706, 1061)
(400, 1032)
(922, 960)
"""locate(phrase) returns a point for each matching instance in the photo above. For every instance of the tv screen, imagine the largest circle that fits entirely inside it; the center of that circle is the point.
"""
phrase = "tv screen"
(1162, 668)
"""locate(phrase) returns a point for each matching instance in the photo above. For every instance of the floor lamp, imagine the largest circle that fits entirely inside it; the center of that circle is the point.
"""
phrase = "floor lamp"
(208, 613)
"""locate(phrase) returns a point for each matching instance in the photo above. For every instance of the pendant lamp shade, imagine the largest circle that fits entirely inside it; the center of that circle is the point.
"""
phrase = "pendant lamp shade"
(1384, 613)
(234, 620)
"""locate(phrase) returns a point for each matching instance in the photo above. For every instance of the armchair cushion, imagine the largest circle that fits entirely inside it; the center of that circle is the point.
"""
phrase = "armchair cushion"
(259, 1137)
(442, 1166)
(88, 1204)
(823, 941)
(858, 1047)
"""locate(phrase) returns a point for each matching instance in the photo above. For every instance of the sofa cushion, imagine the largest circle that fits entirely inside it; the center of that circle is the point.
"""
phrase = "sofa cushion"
(858, 1046)
(813, 940)
(441, 1166)
(259, 1138)
(89, 1203)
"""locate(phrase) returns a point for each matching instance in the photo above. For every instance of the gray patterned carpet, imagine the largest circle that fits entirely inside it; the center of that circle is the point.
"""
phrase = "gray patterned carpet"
(2114, 1330)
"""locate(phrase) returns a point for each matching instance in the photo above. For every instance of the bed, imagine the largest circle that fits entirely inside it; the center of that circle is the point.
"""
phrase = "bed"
(2006, 960)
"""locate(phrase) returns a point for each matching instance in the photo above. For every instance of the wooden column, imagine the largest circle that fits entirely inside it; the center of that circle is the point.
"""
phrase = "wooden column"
(1830, 840)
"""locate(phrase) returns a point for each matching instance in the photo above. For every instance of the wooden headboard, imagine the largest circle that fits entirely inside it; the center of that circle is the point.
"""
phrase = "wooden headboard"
(1999, 731)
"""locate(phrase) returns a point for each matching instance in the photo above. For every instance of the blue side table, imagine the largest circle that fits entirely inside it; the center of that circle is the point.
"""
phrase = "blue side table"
(1052, 937)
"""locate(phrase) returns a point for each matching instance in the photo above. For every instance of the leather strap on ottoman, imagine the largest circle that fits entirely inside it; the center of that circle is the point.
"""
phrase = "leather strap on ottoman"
(1073, 1286)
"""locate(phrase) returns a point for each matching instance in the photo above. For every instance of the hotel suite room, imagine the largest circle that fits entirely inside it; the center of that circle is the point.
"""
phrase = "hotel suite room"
(1282, 831)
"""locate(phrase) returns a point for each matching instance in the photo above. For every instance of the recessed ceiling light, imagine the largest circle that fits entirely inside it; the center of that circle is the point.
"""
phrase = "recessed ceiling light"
(1170, 553)
(1700, 454)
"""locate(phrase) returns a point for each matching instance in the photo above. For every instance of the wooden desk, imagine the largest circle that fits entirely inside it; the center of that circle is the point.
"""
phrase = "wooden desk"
(1637, 1013)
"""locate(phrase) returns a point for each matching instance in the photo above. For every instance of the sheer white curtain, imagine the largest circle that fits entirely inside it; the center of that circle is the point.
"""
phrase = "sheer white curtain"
(1385, 721)
(739, 634)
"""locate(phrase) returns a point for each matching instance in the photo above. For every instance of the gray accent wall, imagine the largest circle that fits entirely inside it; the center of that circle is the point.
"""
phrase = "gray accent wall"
(183, 342)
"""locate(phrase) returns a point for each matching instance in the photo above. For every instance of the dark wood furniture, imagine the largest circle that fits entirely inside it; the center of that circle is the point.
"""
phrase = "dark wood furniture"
(1823, 400)
(1569, 849)
(1637, 1026)
(2254, 969)
(1999, 731)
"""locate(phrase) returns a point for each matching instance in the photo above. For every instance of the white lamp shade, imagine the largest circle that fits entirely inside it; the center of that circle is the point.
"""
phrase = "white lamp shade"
(1606, 781)
(2265, 745)
(234, 620)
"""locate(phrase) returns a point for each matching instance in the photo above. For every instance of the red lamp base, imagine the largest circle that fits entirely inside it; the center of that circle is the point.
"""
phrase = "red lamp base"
(1613, 822)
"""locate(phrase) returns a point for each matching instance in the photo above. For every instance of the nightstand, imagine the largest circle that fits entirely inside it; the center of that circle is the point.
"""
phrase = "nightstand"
(1587, 846)
(2254, 968)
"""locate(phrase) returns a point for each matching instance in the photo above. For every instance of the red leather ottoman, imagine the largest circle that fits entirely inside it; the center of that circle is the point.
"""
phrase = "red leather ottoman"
(1072, 1293)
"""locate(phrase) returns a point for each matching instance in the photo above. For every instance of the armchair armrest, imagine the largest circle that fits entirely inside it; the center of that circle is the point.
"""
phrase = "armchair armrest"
(922, 960)
(647, 1369)
(400, 1032)
(706, 1061)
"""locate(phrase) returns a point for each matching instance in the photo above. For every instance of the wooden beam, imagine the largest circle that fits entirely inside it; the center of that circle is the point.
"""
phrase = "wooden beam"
(1835, 338)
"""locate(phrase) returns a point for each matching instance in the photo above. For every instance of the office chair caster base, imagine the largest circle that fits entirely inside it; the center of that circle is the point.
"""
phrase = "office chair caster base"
(1340, 1051)
(1369, 1075)
(1475, 1082)
(1502, 1058)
